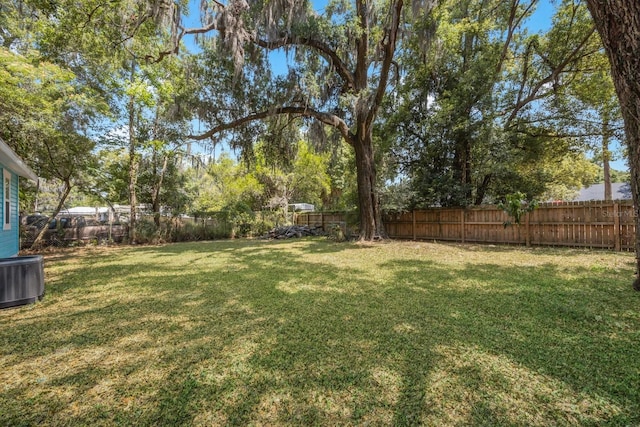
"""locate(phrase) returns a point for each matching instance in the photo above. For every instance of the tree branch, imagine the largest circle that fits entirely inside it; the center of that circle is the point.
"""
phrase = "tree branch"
(286, 40)
(514, 22)
(389, 47)
(326, 118)
(555, 72)
(323, 49)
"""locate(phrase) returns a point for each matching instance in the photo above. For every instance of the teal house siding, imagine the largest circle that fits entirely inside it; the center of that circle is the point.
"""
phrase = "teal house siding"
(11, 168)
(9, 236)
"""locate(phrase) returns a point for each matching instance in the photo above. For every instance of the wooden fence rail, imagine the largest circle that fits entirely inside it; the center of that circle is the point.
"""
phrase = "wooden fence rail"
(324, 220)
(603, 224)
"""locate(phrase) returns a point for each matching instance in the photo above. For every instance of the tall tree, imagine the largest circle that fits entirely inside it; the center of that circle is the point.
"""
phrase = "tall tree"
(618, 22)
(475, 115)
(156, 122)
(344, 61)
(44, 117)
(124, 36)
(590, 104)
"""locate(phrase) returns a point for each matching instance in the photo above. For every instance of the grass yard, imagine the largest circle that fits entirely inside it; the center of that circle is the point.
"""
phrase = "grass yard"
(311, 332)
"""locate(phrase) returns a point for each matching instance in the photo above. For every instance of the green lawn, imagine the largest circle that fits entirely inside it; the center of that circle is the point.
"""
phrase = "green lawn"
(312, 332)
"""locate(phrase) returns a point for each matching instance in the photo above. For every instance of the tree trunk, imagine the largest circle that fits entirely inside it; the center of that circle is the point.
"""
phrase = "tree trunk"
(38, 241)
(462, 170)
(482, 189)
(133, 172)
(36, 205)
(156, 192)
(606, 157)
(618, 22)
(371, 226)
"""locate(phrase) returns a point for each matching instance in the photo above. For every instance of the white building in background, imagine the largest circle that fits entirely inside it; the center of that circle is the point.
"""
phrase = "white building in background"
(98, 213)
(302, 207)
(115, 213)
(619, 191)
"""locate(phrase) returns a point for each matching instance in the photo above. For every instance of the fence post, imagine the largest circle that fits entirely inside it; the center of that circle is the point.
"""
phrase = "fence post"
(462, 224)
(616, 226)
(322, 220)
(527, 230)
(413, 223)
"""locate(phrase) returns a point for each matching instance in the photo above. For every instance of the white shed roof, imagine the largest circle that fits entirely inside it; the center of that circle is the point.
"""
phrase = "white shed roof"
(84, 210)
(619, 191)
(11, 160)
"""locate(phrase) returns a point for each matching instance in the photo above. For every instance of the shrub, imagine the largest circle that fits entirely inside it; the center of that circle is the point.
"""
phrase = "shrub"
(240, 216)
(148, 233)
(179, 230)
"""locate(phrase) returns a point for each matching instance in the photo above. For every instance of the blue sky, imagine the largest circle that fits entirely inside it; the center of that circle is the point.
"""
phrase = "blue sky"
(541, 19)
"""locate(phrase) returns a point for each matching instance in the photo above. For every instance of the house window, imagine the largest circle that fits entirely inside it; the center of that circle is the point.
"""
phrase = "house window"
(7, 200)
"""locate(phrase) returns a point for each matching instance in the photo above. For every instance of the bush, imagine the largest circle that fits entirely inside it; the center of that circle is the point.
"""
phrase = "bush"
(516, 206)
(190, 232)
(148, 233)
(179, 230)
(240, 216)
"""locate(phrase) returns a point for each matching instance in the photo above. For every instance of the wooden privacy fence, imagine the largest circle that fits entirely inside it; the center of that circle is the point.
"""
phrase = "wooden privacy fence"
(604, 224)
(325, 220)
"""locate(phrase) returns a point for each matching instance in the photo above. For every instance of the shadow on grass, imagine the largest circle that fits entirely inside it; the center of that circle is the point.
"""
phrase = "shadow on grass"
(318, 333)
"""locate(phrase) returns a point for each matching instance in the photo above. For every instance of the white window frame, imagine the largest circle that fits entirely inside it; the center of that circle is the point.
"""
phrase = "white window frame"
(6, 200)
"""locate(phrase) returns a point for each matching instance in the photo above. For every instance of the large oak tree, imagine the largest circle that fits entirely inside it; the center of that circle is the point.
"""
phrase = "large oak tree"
(478, 119)
(343, 63)
(618, 22)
